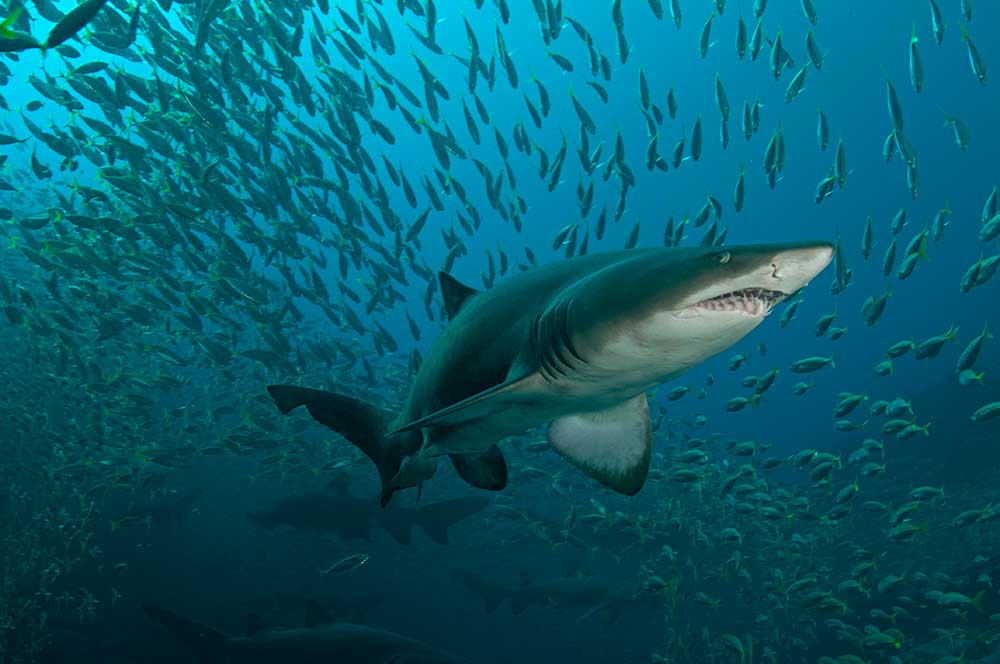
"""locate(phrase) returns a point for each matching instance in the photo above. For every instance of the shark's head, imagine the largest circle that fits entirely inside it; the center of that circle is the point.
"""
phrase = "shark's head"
(659, 312)
(733, 286)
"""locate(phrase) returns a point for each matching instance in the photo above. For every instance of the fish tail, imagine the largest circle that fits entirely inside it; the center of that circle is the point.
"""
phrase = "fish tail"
(5, 30)
(435, 519)
(361, 423)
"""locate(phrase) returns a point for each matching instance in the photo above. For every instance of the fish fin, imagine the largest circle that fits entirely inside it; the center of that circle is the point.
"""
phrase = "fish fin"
(5, 30)
(208, 642)
(613, 446)
(467, 409)
(413, 471)
(359, 422)
(592, 610)
(519, 602)
(399, 529)
(483, 471)
(491, 601)
(435, 519)
(491, 592)
(255, 625)
(316, 615)
(455, 293)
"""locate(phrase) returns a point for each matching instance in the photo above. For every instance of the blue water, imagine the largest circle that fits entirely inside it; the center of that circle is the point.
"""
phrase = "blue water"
(211, 562)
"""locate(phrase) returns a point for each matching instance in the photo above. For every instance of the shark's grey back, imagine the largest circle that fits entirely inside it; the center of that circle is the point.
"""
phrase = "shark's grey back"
(475, 352)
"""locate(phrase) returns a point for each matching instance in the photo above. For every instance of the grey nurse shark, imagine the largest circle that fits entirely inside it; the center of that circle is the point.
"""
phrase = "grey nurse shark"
(336, 510)
(576, 343)
(592, 595)
(320, 644)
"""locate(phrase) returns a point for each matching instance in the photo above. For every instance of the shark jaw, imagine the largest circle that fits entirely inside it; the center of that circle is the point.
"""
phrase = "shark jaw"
(758, 302)
(763, 279)
(710, 301)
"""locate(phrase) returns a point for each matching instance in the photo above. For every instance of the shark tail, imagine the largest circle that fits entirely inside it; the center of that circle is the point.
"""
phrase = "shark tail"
(209, 643)
(361, 423)
(435, 519)
(519, 602)
(492, 598)
(489, 590)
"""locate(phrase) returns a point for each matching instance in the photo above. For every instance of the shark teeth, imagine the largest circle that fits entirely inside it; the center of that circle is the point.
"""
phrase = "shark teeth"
(751, 301)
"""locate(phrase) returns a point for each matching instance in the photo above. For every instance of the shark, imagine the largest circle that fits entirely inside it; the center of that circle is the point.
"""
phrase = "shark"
(338, 511)
(591, 594)
(319, 644)
(308, 602)
(576, 344)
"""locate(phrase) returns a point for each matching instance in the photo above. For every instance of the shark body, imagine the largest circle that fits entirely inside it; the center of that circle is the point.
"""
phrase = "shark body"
(590, 595)
(575, 343)
(339, 512)
(323, 644)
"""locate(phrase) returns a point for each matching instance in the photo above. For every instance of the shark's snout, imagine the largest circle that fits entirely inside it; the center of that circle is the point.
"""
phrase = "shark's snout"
(764, 277)
(792, 269)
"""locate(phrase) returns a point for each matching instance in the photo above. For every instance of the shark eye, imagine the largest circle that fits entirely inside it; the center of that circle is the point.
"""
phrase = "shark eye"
(724, 257)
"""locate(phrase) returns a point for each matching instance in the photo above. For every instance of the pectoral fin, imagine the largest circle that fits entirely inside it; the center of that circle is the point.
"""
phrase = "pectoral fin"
(483, 403)
(612, 445)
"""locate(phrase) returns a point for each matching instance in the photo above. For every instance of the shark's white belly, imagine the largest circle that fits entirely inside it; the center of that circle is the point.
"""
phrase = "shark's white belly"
(629, 364)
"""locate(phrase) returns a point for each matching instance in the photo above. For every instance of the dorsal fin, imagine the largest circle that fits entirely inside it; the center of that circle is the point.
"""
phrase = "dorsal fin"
(255, 625)
(316, 615)
(455, 293)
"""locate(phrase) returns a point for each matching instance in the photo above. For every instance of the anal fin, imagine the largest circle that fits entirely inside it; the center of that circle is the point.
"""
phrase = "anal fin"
(483, 471)
(413, 472)
(435, 519)
(613, 446)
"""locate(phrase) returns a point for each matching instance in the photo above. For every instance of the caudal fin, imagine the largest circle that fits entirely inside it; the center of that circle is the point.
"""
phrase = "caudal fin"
(209, 643)
(488, 588)
(435, 519)
(361, 423)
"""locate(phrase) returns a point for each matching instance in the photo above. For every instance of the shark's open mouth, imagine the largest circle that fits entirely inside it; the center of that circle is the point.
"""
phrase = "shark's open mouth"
(752, 301)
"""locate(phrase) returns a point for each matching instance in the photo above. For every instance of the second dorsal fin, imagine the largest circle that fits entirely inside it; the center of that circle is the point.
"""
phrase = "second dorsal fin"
(255, 625)
(455, 293)
(316, 615)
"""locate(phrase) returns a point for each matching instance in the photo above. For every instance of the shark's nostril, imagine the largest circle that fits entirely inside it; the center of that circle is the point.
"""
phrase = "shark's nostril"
(774, 271)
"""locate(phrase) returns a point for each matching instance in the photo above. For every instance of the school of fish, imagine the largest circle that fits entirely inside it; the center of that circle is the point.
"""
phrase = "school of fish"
(201, 198)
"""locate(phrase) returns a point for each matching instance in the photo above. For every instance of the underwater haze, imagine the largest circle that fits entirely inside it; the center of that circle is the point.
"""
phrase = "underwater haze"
(499, 331)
